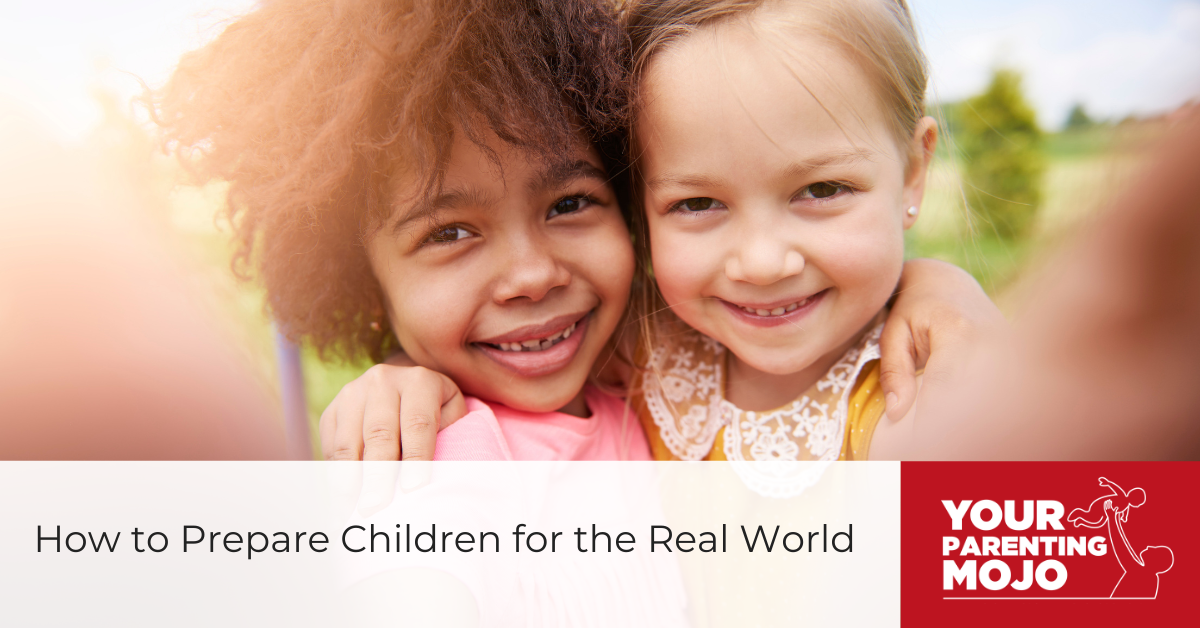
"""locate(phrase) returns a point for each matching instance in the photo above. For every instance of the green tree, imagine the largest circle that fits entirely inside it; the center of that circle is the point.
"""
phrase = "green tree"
(1079, 119)
(1001, 143)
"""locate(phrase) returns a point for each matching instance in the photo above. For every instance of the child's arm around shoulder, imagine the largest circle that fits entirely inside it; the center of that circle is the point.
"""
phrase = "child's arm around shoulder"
(939, 316)
(367, 420)
(895, 440)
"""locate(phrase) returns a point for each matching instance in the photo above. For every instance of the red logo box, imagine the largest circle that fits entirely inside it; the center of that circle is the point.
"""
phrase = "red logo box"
(1038, 543)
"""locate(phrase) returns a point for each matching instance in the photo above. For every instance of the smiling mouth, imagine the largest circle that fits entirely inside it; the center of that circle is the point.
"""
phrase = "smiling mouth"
(538, 350)
(535, 344)
(781, 310)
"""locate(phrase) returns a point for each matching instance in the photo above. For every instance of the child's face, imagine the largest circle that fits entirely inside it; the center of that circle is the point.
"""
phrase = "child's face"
(775, 194)
(513, 278)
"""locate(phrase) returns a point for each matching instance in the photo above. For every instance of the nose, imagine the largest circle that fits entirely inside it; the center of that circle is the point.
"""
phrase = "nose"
(763, 254)
(530, 270)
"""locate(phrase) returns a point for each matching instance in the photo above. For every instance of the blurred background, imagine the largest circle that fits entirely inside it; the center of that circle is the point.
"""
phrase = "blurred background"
(1046, 108)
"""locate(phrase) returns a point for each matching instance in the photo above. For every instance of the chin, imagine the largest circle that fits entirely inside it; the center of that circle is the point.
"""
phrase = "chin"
(777, 362)
(543, 397)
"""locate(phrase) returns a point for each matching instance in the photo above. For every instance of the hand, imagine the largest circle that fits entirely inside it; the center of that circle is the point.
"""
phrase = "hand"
(940, 314)
(367, 420)
(1108, 505)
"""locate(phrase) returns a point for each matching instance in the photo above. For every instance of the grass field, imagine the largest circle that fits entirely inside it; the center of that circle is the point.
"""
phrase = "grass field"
(1083, 171)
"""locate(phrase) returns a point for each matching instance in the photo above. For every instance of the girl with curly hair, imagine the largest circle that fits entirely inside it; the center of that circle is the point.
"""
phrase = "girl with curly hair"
(447, 179)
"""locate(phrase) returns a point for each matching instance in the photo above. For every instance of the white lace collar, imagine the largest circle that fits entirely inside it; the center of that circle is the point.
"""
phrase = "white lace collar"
(684, 388)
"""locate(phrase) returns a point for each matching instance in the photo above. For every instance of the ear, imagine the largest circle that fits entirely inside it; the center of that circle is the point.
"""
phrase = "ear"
(921, 147)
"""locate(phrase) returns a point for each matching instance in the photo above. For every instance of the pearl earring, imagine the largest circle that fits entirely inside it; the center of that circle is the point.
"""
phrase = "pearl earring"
(912, 211)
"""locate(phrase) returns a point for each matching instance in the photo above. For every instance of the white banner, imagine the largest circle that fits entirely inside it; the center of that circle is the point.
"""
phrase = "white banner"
(479, 544)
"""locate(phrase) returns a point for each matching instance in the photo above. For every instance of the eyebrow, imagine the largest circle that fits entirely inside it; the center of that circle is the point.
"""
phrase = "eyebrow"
(795, 169)
(561, 172)
(447, 199)
(840, 158)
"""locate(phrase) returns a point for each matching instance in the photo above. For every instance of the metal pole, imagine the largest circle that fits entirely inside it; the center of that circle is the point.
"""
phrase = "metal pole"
(295, 405)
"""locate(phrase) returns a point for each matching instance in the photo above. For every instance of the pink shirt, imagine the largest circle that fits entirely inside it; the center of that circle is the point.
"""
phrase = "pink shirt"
(491, 431)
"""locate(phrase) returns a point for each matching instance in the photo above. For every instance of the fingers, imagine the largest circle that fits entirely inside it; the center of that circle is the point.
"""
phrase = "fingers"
(348, 435)
(454, 409)
(424, 394)
(402, 404)
(373, 414)
(380, 427)
(897, 368)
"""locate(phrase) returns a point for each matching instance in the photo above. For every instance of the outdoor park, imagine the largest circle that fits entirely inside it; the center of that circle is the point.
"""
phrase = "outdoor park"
(1003, 192)
(1013, 178)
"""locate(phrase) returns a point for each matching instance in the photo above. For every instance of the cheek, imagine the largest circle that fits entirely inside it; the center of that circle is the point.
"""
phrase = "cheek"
(611, 258)
(427, 307)
(681, 268)
(426, 319)
(864, 259)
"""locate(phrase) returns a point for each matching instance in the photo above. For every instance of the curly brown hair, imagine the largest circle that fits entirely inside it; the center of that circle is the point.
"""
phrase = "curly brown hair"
(309, 109)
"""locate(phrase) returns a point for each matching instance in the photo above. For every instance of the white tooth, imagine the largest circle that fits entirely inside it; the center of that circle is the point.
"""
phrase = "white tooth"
(762, 312)
(792, 307)
(777, 311)
(567, 334)
(503, 346)
(531, 344)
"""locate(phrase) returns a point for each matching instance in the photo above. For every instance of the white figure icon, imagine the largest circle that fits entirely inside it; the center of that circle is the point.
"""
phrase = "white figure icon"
(1141, 570)
(1095, 517)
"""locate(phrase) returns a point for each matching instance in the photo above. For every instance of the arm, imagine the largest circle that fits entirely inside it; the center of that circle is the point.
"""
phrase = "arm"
(939, 315)
(367, 420)
(1114, 312)
(894, 440)
(1114, 519)
(1117, 490)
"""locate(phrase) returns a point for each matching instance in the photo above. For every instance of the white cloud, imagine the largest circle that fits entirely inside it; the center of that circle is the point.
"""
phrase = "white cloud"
(1117, 60)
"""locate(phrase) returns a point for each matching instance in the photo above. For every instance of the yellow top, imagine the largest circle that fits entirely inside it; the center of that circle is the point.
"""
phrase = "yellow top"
(681, 404)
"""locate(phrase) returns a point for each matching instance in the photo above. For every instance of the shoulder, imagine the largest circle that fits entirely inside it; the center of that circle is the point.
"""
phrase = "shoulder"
(476, 436)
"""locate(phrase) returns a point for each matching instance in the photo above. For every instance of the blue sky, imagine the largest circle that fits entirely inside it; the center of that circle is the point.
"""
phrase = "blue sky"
(1115, 57)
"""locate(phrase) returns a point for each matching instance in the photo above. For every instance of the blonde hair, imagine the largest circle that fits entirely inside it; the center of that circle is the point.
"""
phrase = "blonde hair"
(878, 35)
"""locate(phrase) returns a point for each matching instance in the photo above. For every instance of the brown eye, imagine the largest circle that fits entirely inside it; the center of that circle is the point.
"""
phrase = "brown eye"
(569, 205)
(698, 204)
(450, 233)
(824, 189)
